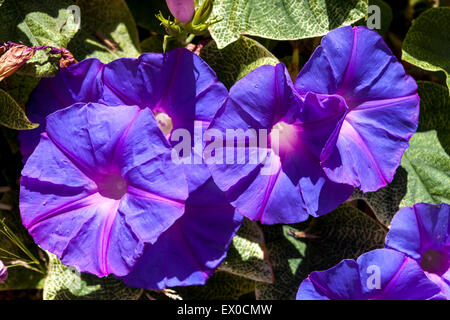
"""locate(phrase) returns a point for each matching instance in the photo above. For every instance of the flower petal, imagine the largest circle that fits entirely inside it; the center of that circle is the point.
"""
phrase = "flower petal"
(96, 128)
(340, 282)
(80, 82)
(401, 278)
(380, 274)
(371, 131)
(356, 64)
(189, 251)
(415, 230)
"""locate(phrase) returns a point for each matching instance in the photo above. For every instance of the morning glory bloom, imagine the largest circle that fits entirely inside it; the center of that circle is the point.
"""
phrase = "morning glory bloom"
(181, 92)
(179, 87)
(286, 183)
(99, 186)
(378, 106)
(422, 233)
(381, 274)
(351, 105)
(414, 264)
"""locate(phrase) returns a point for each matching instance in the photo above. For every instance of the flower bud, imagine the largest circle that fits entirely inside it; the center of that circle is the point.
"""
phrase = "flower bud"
(182, 10)
(3, 272)
(13, 59)
(203, 13)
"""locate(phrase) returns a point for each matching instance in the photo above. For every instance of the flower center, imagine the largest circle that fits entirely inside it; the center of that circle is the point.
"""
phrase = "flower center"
(282, 136)
(435, 261)
(164, 123)
(112, 186)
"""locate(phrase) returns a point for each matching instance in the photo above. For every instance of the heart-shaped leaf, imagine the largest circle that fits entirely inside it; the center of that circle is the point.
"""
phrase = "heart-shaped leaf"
(427, 43)
(107, 31)
(282, 20)
(12, 115)
(236, 60)
(428, 168)
(247, 257)
(65, 283)
(37, 23)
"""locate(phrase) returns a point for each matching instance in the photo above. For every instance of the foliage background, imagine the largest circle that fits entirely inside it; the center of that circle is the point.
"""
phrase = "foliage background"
(264, 262)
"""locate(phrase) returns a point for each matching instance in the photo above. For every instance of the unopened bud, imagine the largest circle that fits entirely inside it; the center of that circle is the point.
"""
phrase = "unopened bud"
(13, 59)
(203, 13)
(3, 272)
(182, 10)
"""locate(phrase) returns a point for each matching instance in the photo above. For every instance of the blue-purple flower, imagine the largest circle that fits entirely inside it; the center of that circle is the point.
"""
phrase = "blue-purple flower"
(101, 189)
(351, 105)
(413, 266)
(422, 232)
(381, 274)
(98, 187)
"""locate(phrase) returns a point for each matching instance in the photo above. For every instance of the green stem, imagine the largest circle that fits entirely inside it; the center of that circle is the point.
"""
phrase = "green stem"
(190, 38)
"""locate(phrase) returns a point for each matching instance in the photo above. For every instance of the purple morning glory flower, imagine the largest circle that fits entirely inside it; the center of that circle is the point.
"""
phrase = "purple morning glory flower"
(3, 272)
(295, 184)
(351, 105)
(99, 186)
(422, 233)
(378, 111)
(179, 87)
(189, 251)
(381, 274)
(414, 264)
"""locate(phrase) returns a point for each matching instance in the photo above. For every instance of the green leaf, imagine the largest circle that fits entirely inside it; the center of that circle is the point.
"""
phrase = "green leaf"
(345, 233)
(386, 201)
(221, 286)
(236, 60)
(282, 20)
(246, 256)
(103, 22)
(36, 23)
(428, 168)
(12, 115)
(19, 87)
(427, 43)
(434, 111)
(65, 283)
(22, 275)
